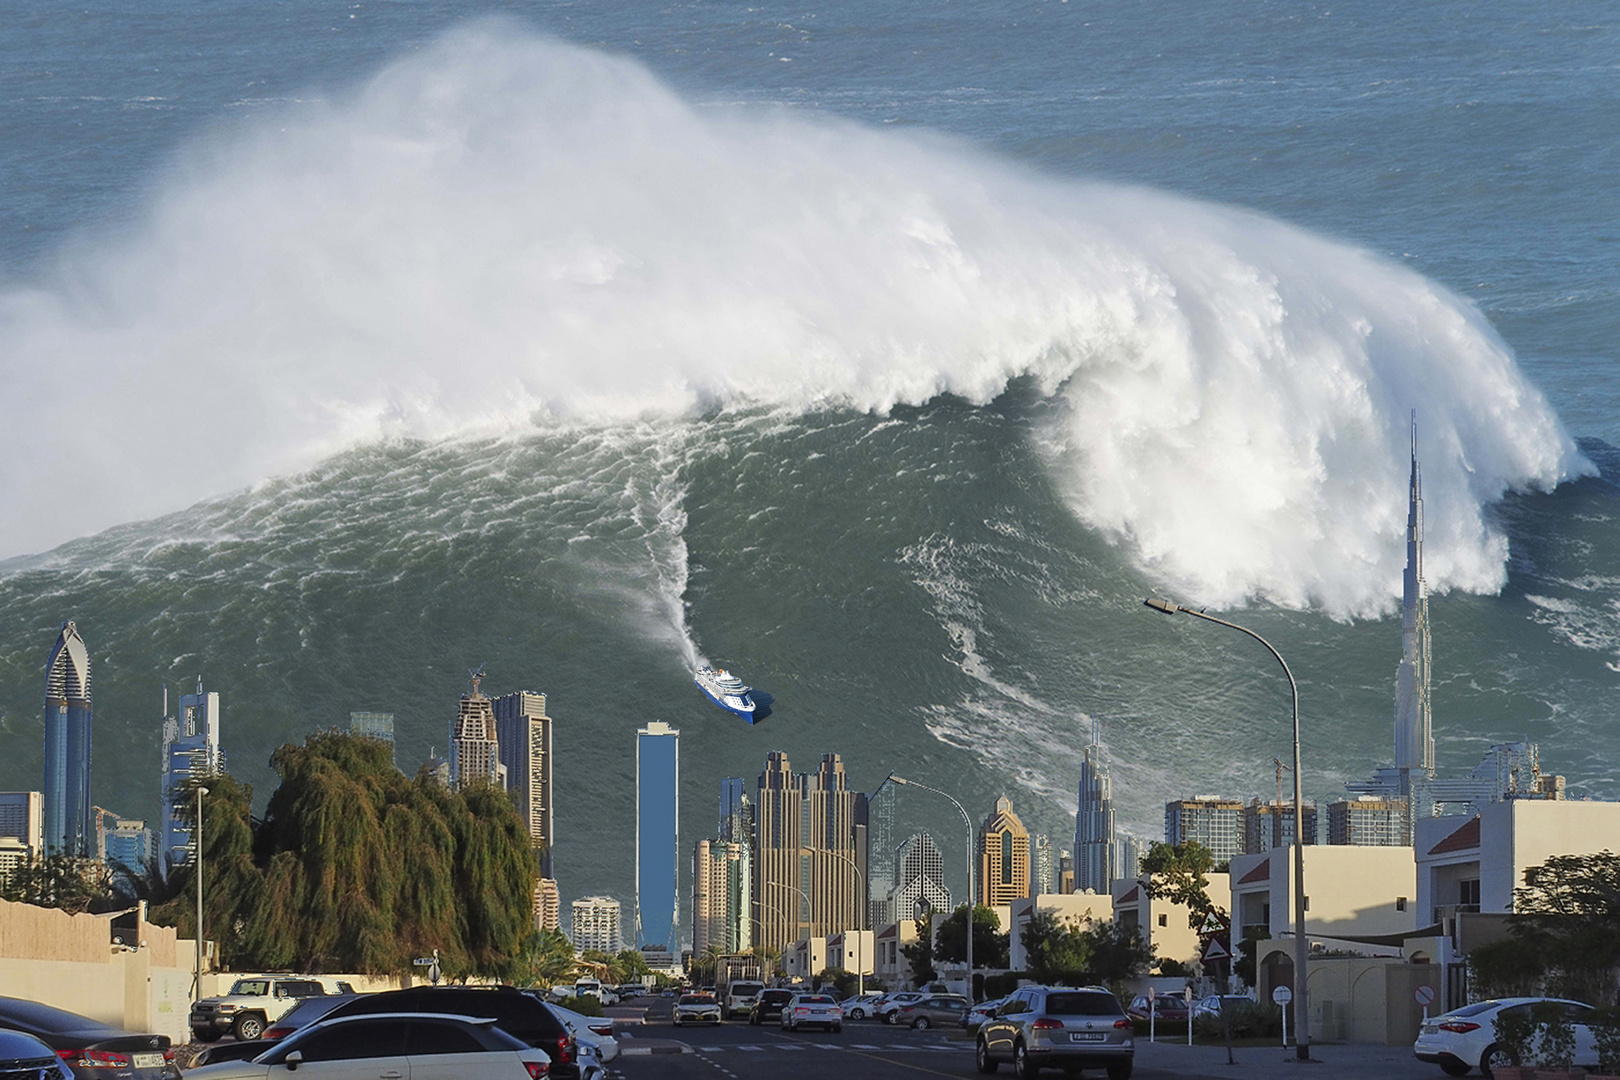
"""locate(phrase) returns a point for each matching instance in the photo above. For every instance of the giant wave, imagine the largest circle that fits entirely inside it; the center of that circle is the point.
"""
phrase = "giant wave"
(504, 230)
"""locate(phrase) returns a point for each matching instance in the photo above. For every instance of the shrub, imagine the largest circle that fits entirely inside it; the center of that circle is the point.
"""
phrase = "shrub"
(1249, 1020)
(585, 1004)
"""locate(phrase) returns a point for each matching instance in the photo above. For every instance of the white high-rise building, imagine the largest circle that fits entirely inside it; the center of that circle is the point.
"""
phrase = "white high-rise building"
(597, 925)
(1097, 860)
(475, 751)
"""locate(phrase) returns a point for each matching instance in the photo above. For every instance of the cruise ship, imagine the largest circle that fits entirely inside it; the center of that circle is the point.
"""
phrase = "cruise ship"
(726, 690)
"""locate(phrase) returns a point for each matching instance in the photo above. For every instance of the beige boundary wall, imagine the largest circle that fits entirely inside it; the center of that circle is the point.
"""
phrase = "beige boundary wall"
(70, 961)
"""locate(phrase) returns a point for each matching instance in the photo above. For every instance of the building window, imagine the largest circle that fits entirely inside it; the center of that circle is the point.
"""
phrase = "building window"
(1006, 858)
(1400, 903)
(1468, 894)
(1164, 920)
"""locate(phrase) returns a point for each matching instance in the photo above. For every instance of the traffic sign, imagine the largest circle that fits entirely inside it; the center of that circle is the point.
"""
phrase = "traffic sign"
(1424, 995)
(1213, 924)
(1282, 995)
(1152, 992)
(1188, 993)
(1215, 951)
(425, 961)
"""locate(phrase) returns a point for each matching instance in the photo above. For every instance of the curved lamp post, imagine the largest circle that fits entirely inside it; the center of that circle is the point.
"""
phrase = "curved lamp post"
(1302, 1015)
(972, 898)
(860, 917)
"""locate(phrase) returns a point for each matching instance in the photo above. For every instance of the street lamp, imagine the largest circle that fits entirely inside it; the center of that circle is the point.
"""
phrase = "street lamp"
(860, 918)
(1302, 1014)
(196, 849)
(972, 898)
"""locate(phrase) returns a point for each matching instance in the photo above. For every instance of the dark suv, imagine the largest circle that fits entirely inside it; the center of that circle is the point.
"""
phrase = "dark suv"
(769, 1005)
(514, 1012)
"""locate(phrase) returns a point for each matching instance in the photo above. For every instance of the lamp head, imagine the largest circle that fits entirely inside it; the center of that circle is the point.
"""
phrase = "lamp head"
(202, 791)
(1162, 606)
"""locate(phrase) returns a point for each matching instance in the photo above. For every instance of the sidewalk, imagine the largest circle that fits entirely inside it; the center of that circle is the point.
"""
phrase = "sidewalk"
(1332, 1061)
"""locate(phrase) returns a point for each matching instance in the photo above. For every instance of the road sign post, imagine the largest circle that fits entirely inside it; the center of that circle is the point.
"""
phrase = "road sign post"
(1282, 996)
(1153, 1013)
(1424, 996)
(1187, 994)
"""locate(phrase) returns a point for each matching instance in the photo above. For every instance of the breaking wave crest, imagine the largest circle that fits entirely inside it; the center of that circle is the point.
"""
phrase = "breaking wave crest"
(503, 230)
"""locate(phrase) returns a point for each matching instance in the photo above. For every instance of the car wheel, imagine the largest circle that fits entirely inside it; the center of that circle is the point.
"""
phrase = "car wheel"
(1495, 1057)
(1119, 1070)
(247, 1028)
(921, 1022)
(857, 1014)
(1023, 1068)
(205, 1034)
(1454, 1068)
(889, 1018)
(982, 1059)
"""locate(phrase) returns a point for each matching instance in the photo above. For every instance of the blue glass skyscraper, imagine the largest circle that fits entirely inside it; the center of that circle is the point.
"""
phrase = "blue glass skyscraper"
(69, 826)
(190, 752)
(658, 759)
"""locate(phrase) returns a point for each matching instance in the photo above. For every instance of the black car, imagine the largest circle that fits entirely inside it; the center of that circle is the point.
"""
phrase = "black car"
(230, 1051)
(24, 1055)
(303, 1014)
(513, 1011)
(769, 1005)
(90, 1049)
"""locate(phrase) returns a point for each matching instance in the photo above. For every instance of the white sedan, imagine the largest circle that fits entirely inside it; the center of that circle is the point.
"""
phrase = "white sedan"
(1465, 1038)
(591, 1033)
(697, 1009)
(818, 1009)
(421, 1046)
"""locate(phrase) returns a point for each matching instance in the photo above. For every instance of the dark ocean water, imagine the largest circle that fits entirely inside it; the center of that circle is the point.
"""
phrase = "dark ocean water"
(811, 347)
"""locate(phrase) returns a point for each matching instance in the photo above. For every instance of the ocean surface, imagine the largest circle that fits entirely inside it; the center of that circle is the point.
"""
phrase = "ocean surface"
(886, 353)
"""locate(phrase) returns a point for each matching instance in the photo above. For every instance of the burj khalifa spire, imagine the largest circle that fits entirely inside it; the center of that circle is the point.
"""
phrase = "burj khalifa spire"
(1414, 730)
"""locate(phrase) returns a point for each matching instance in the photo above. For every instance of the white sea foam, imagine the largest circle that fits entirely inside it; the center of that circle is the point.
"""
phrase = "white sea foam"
(503, 227)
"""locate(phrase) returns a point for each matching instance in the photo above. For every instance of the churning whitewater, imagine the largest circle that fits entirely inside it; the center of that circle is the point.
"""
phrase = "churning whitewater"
(503, 232)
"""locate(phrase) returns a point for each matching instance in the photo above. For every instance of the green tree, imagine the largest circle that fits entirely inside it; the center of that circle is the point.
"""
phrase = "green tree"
(839, 979)
(1118, 952)
(1565, 938)
(919, 954)
(357, 868)
(990, 945)
(548, 960)
(69, 882)
(634, 965)
(1072, 953)
(1180, 874)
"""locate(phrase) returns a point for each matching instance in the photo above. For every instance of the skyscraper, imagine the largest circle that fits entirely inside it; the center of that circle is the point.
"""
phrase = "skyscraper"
(1003, 856)
(1214, 822)
(1095, 863)
(1369, 821)
(22, 815)
(1414, 728)
(475, 755)
(919, 874)
(190, 752)
(1268, 825)
(835, 899)
(778, 873)
(1042, 871)
(737, 830)
(124, 844)
(69, 828)
(596, 925)
(523, 731)
(658, 759)
(547, 905)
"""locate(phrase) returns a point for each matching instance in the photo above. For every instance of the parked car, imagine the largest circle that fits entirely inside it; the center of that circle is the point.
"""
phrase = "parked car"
(22, 1055)
(769, 1005)
(697, 1009)
(890, 1008)
(516, 1012)
(859, 1008)
(303, 1014)
(1062, 1027)
(1164, 1007)
(234, 1050)
(975, 1017)
(933, 1009)
(1211, 1006)
(819, 1010)
(594, 1042)
(255, 1002)
(421, 1046)
(1465, 1038)
(90, 1049)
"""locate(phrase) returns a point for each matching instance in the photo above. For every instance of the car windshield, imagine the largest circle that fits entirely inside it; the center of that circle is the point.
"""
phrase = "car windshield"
(698, 999)
(776, 995)
(250, 988)
(746, 988)
(1082, 1005)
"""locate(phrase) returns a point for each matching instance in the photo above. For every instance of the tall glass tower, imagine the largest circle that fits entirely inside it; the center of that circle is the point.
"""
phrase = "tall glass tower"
(658, 767)
(190, 751)
(69, 823)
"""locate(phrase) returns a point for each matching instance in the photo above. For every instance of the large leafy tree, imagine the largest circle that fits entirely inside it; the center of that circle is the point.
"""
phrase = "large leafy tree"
(1070, 952)
(990, 945)
(70, 882)
(356, 867)
(1180, 873)
(1566, 938)
(919, 954)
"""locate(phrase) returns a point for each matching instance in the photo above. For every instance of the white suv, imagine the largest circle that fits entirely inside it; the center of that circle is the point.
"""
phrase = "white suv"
(255, 1001)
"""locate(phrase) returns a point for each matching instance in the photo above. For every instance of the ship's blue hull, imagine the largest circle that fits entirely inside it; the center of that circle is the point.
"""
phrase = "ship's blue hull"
(746, 714)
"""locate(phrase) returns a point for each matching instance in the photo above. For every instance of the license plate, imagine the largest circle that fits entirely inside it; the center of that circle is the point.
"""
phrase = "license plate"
(1086, 1036)
(148, 1061)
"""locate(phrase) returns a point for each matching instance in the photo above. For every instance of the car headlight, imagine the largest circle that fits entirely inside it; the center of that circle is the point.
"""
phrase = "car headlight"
(225, 1008)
